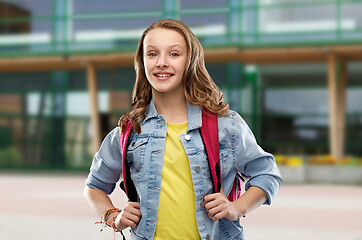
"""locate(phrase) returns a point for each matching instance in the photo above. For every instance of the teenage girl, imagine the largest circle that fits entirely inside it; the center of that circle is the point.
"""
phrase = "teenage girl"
(167, 157)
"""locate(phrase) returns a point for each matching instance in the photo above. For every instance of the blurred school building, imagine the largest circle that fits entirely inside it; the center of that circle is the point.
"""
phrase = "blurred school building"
(292, 69)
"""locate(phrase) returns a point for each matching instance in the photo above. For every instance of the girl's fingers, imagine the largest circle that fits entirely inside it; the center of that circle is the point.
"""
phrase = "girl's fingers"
(210, 198)
(217, 209)
(128, 223)
(218, 216)
(134, 208)
(133, 211)
(213, 200)
(135, 204)
(130, 216)
(215, 206)
(211, 205)
(212, 212)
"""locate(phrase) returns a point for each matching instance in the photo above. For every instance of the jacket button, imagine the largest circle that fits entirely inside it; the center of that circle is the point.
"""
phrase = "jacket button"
(133, 144)
(207, 237)
(197, 169)
(187, 137)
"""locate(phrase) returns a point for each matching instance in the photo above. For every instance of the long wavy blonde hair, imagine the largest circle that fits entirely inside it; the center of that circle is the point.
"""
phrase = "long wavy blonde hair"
(199, 87)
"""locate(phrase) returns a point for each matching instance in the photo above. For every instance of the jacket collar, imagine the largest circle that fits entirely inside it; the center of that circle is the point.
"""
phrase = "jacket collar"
(151, 111)
(194, 116)
(193, 112)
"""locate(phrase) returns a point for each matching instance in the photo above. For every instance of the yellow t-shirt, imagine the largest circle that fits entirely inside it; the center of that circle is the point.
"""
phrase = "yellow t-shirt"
(176, 212)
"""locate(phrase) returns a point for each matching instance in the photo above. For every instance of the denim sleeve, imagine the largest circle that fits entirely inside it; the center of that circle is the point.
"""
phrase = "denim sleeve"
(252, 161)
(106, 167)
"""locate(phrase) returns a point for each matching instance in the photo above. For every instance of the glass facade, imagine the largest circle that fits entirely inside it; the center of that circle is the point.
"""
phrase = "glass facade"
(65, 26)
(45, 116)
(295, 109)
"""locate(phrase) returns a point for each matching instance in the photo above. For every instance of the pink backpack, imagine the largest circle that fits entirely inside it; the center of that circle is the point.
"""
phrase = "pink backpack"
(210, 136)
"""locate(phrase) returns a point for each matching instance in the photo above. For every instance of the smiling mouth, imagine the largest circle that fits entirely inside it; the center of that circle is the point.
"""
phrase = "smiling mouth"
(163, 75)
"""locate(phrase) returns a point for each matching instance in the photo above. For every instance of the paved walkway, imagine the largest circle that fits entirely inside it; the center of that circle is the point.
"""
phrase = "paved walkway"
(52, 207)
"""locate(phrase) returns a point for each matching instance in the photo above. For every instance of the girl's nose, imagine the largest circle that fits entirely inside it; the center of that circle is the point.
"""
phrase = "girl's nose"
(162, 62)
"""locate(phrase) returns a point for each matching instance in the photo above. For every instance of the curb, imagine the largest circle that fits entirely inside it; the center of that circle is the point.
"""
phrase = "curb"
(322, 174)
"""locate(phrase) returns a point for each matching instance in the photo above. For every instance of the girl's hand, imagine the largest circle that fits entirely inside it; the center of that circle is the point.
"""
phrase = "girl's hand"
(218, 206)
(129, 217)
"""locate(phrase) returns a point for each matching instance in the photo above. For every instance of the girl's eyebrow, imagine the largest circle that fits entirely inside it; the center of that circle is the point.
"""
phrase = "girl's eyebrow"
(175, 45)
(171, 46)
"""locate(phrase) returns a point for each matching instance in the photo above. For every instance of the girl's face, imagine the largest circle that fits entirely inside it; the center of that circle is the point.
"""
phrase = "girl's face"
(164, 57)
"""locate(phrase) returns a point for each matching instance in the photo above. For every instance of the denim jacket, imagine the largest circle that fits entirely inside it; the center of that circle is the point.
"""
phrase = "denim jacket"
(238, 152)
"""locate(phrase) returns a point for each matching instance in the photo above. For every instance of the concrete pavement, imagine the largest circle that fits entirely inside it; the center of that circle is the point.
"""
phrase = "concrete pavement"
(51, 206)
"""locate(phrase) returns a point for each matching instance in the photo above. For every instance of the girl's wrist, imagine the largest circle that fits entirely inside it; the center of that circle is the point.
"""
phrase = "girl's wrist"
(240, 208)
(118, 226)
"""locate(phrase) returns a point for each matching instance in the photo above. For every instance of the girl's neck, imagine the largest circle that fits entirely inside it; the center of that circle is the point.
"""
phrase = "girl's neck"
(171, 106)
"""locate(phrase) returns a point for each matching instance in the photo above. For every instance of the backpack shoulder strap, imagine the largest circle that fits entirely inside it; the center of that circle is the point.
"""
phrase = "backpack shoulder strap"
(128, 185)
(210, 136)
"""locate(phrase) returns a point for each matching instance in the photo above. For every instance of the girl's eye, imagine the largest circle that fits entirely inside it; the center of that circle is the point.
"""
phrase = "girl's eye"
(152, 54)
(174, 54)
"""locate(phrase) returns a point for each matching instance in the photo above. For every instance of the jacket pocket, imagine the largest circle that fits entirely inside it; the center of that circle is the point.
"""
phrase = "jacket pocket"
(136, 152)
(135, 235)
(226, 162)
(231, 229)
